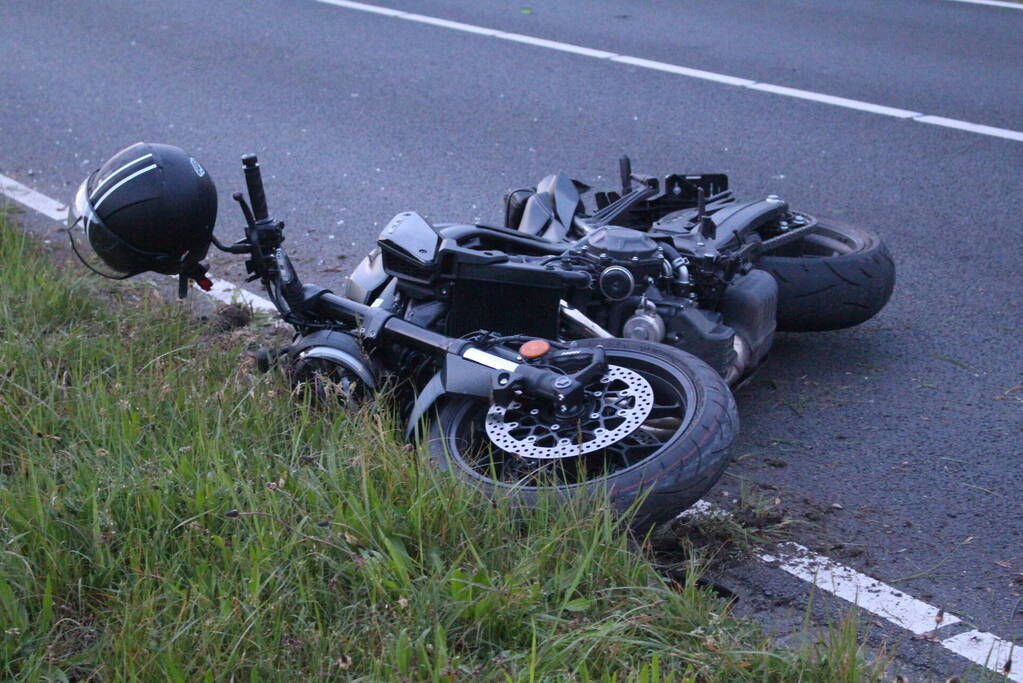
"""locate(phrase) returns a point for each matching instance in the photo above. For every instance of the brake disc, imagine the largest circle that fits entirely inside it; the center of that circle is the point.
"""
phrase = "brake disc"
(620, 404)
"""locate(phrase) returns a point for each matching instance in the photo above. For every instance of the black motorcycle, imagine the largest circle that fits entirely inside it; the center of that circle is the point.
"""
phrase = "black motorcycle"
(678, 261)
(471, 337)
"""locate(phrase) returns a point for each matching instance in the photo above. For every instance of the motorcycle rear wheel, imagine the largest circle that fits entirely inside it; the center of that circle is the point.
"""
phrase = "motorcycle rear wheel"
(837, 276)
(674, 457)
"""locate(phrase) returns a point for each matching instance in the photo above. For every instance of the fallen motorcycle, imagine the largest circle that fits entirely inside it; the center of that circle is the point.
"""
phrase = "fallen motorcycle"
(496, 396)
(678, 260)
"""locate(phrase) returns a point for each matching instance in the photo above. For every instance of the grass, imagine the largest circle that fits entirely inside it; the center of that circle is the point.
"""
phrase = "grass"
(167, 515)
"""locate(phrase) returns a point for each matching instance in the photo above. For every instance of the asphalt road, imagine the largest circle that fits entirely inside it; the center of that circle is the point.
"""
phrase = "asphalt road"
(912, 422)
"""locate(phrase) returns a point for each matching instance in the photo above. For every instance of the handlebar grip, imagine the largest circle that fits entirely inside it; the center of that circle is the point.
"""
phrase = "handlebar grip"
(254, 182)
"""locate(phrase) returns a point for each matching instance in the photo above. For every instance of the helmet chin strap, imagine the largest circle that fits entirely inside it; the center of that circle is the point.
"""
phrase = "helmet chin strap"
(193, 270)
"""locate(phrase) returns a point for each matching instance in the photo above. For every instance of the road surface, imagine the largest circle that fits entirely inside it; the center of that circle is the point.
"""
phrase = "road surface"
(907, 430)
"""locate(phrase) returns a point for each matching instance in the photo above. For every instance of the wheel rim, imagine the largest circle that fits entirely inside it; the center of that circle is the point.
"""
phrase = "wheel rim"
(618, 405)
(823, 242)
(672, 407)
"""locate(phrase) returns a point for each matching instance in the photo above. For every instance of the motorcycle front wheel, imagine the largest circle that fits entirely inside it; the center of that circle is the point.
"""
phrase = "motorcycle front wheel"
(674, 456)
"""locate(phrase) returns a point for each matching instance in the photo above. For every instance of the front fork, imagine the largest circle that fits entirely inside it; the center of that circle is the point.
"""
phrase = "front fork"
(468, 369)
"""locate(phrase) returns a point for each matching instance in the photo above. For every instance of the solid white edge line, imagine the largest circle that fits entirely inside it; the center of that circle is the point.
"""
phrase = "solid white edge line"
(972, 127)
(833, 100)
(992, 3)
(861, 590)
(988, 650)
(34, 200)
(980, 647)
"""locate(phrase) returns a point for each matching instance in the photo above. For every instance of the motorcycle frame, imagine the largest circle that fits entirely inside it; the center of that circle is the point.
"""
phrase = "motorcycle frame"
(463, 367)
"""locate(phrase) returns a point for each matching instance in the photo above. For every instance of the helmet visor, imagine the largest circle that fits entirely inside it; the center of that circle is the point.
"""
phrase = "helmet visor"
(99, 248)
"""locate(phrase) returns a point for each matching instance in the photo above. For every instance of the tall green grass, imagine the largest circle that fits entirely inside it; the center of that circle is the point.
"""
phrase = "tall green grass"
(167, 515)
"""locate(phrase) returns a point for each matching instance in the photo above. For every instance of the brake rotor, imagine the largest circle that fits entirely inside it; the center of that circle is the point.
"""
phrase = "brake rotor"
(621, 402)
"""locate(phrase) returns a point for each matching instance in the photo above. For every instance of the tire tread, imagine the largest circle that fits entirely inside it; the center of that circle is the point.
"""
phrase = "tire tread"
(834, 292)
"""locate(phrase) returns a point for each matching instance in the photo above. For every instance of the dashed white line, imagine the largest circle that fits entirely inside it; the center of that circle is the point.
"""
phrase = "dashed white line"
(26, 196)
(870, 594)
(864, 591)
(989, 651)
(689, 72)
(230, 293)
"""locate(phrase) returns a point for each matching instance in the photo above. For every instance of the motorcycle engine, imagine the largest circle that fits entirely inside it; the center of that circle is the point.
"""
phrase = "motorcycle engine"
(627, 258)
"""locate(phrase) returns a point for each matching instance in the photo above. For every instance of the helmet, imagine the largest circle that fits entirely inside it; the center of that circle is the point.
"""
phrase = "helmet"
(150, 207)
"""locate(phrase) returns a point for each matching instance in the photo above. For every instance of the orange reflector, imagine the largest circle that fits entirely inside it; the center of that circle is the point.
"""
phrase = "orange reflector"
(534, 348)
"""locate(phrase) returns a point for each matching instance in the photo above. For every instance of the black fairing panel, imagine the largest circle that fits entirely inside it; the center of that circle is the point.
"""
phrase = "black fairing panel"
(409, 245)
(408, 234)
(536, 213)
(565, 194)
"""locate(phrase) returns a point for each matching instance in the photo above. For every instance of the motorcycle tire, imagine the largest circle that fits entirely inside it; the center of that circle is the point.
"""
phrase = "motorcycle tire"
(678, 472)
(837, 276)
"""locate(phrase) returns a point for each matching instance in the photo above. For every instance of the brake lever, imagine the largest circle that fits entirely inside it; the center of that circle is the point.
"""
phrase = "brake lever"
(249, 218)
(596, 368)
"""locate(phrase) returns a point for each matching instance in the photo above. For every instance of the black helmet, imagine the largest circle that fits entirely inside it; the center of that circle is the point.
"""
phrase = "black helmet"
(149, 208)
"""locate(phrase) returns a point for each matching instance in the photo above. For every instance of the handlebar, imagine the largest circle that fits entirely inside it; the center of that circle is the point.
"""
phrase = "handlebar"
(270, 263)
(254, 183)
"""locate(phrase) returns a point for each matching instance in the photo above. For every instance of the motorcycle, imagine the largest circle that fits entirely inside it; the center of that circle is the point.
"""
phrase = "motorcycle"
(470, 337)
(677, 261)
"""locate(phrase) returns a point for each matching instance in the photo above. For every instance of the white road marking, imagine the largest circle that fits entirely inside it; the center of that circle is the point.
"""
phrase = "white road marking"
(972, 127)
(555, 45)
(702, 508)
(866, 592)
(457, 25)
(682, 70)
(230, 293)
(677, 69)
(836, 101)
(25, 195)
(879, 598)
(363, 7)
(993, 3)
(989, 651)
